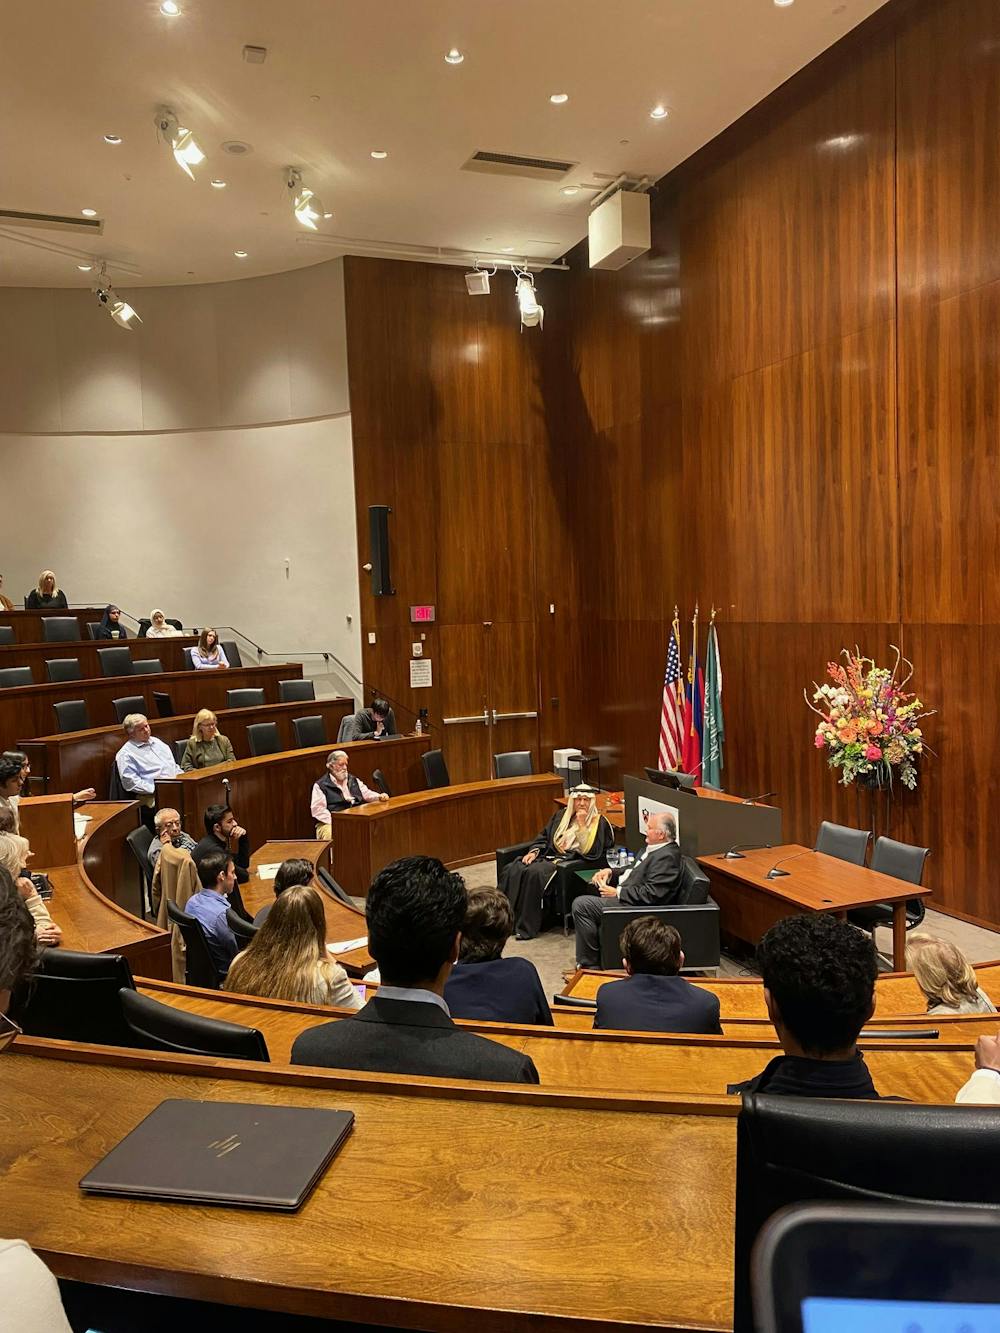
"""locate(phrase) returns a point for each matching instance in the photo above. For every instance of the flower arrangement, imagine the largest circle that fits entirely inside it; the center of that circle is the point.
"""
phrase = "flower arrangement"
(868, 722)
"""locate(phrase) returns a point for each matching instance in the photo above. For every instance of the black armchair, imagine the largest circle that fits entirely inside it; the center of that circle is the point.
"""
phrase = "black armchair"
(695, 917)
(564, 888)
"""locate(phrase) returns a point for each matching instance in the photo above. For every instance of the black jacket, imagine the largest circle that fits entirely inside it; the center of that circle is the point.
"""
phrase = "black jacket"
(646, 1003)
(503, 990)
(798, 1076)
(654, 882)
(362, 726)
(241, 856)
(410, 1037)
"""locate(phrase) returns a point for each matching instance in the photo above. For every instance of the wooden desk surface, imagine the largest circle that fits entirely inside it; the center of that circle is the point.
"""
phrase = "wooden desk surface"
(815, 882)
(446, 1206)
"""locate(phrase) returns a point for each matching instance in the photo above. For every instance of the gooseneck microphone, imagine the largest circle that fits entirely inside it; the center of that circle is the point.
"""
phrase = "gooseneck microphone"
(752, 800)
(775, 873)
(735, 853)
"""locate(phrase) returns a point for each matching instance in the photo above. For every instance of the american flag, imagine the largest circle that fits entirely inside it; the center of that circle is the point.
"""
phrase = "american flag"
(672, 714)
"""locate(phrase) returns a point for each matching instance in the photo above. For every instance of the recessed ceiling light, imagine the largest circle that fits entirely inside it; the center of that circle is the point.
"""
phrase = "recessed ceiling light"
(113, 138)
(241, 254)
(557, 99)
(508, 249)
(89, 212)
(218, 185)
(85, 268)
(659, 112)
(237, 147)
(328, 215)
(454, 56)
(570, 189)
(170, 8)
(783, 4)
(379, 154)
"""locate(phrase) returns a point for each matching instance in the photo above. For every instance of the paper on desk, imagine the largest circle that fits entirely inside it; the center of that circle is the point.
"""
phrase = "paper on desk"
(346, 946)
(80, 823)
(268, 871)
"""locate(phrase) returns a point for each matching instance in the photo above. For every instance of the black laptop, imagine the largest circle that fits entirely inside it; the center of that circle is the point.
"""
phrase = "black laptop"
(242, 1154)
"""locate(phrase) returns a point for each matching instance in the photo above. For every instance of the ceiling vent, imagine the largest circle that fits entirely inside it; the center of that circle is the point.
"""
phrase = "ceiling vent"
(510, 164)
(12, 217)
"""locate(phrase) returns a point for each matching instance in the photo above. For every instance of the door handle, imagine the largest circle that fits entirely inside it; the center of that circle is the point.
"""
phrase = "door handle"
(453, 721)
(507, 717)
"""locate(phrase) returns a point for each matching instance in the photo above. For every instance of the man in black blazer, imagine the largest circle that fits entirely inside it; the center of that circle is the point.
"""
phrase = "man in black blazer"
(654, 881)
(654, 997)
(414, 910)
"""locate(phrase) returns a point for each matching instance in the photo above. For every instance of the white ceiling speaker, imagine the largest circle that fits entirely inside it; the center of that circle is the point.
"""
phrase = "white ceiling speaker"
(618, 230)
(305, 204)
(186, 152)
(477, 283)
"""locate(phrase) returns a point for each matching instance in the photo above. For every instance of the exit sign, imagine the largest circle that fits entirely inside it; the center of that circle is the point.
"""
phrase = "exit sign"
(421, 615)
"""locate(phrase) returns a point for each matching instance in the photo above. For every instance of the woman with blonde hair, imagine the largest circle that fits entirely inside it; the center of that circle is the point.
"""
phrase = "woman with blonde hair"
(945, 976)
(46, 594)
(5, 601)
(206, 745)
(15, 853)
(288, 959)
(576, 838)
(207, 654)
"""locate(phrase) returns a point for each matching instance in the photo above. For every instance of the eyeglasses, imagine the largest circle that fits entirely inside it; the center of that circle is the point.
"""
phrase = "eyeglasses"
(8, 1031)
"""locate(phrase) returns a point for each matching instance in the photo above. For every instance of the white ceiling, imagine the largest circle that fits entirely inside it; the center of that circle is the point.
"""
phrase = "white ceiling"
(342, 78)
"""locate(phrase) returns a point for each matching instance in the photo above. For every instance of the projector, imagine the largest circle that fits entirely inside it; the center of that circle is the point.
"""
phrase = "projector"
(477, 283)
(618, 230)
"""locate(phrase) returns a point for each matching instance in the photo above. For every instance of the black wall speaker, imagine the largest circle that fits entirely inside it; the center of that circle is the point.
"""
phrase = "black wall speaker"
(378, 540)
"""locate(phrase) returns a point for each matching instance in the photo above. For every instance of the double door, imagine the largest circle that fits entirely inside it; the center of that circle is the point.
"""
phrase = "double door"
(489, 695)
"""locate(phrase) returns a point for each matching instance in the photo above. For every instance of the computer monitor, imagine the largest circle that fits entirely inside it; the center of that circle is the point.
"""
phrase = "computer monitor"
(669, 777)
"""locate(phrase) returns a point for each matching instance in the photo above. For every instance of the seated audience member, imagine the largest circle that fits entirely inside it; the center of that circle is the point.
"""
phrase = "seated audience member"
(819, 986)
(338, 790)
(414, 909)
(167, 828)
(15, 853)
(85, 794)
(206, 745)
(31, 1301)
(111, 626)
(217, 876)
(46, 596)
(294, 871)
(5, 603)
(288, 959)
(159, 628)
(224, 834)
(143, 760)
(654, 997)
(372, 724)
(578, 833)
(482, 983)
(654, 881)
(983, 1086)
(11, 782)
(207, 654)
(945, 976)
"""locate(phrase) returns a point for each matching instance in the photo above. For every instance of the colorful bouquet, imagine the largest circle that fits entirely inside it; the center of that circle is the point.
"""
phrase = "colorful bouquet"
(868, 722)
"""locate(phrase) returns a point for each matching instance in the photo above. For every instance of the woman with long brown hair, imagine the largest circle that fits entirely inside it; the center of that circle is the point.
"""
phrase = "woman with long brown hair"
(207, 654)
(288, 959)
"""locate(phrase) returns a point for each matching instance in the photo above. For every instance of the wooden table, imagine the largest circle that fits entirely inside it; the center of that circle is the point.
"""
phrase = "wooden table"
(169, 652)
(750, 903)
(27, 625)
(459, 825)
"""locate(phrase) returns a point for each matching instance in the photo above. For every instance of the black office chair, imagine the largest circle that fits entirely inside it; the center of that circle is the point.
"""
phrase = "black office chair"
(344, 729)
(263, 738)
(75, 997)
(378, 778)
(139, 842)
(847, 844)
(115, 661)
(60, 629)
(161, 1027)
(435, 769)
(513, 764)
(6, 635)
(309, 731)
(63, 668)
(332, 887)
(147, 665)
(253, 698)
(72, 715)
(130, 703)
(242, 929)
(296, 691)
(92, 627)
(200, 970)
(143, 630)
(179, 748)
(229, 647)
(164, 703)
(695, 916)
(901, 860)
(12, 677)
(794, 1149)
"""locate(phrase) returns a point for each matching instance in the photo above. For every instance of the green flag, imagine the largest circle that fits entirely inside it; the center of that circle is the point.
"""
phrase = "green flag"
(714, 733)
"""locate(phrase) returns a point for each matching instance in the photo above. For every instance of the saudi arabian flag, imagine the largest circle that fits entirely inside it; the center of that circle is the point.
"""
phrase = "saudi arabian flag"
(714, 734)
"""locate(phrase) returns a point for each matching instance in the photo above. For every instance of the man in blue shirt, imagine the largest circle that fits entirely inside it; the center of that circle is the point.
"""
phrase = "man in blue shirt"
(218, 876)
(143, 759)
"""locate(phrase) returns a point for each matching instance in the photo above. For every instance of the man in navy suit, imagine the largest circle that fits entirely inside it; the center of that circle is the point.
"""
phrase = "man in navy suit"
(654, 997)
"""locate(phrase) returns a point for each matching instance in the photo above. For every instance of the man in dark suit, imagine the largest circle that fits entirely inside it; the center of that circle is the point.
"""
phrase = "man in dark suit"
(654, 997)
(654, 881)
(414, 911)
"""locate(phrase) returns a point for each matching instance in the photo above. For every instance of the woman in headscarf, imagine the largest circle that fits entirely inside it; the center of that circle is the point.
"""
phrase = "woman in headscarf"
(159, 626)
(578, 835)
(110, 626)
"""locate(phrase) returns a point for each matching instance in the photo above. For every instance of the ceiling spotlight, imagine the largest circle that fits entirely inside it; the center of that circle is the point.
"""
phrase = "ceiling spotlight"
(570, 190)
(557, 99)
(85, 268)
(170, 8)
(113, 138)
(328, 215)
(477, 283)
(783, 4)
(120, 311)
(89, 212)
(241, 254)
(454, 56)
(218, 185)
(305, 204)
(659, 112)
(532, 314)
(379, 154)
(186, 152)
(508, 249)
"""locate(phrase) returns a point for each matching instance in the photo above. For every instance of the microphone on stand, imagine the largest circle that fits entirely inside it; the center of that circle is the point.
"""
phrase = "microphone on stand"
(735, 853)
(752, 800)
(229, 791)
(775, 873)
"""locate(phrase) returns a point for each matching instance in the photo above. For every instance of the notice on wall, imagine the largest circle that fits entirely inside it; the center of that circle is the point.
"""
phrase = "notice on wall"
(648, 807)
(420, 673)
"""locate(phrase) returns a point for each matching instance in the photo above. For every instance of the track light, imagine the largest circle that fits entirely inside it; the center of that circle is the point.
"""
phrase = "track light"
(531, 312)
(477, 283)
(186, 152)
(120, 311)
(305, 204)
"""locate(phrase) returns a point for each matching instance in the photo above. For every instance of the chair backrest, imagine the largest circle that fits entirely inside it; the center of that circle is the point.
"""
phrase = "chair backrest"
(243, 929)
(11, 677)
(344, 730)
(435, 769)
(902, 860)
(309, 731)
(792, 1149)
(139, 841)
(60, 629)
(72, 715)
(694, 883)
(164, 703)
(76, 997)
(378, 778)
(179, 748)
(115, 661)
(7, 634)
(847, 844)
(248, 698)
(201, 970)
(331, 885)
(263, 738)
(92, 627)
(232, 652)
(513, 764)
(143, 630)
(130, 703)
(146, 664)
(296, 691)
(161, 1027)
(63, 668)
